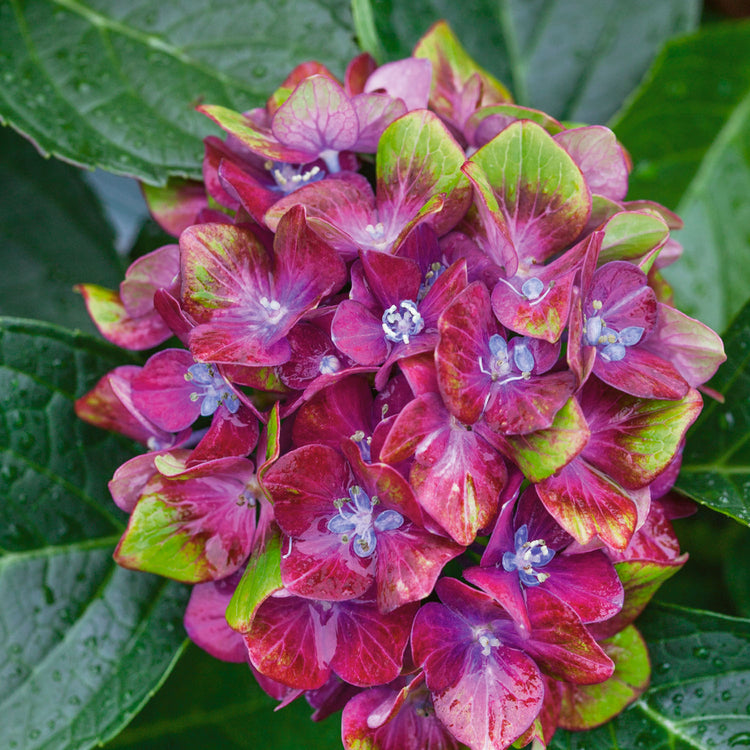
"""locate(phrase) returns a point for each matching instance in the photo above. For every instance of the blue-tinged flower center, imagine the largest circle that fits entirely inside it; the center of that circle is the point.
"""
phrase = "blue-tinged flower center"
(528, 556)
(402, 321)
(331, 158)
(355, 521)
(272, 309)
(211, 388)
(486, 639)
(288, 177)
(436, 269)
(502, 365)
(376, 232)
(532, 290)
(329, 364)
(612, 344)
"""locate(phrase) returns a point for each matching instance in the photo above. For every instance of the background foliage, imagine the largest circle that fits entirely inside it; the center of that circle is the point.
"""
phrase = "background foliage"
(112, 84)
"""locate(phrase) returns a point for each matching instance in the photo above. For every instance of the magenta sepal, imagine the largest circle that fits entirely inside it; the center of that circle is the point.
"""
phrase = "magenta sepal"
(128, 318)
(244, 302)
(399, 716)
(330, 698)
(128, 481)
(109, 405)
(600, 157)
(229, 435)
(205, 620)
(162, 392)
(587, 581)
(476, 382)
(457, 475)
(692, 347)
(404, 561)
(619, 314)
(408, 80)
(300, 642)
(543, 313)
(192, 524)
(587, 503)
(336, 413)
(481, 671)
(485, 690)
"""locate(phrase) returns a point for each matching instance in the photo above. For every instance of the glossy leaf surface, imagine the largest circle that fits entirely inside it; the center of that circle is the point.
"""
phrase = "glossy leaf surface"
(82, 643)
(696, 161)
(573, 60)
(114, 85)
(54, 236)
(698, 696)
(716, 462)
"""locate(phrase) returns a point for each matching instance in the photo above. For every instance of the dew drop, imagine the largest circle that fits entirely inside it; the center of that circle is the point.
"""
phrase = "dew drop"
(665, 666)
(700, 692)
(74, 700)
(56, 676)
(678, 697)
(259, 71)
(726, 695)
(83, 87)
(700, 652)
(718, 662)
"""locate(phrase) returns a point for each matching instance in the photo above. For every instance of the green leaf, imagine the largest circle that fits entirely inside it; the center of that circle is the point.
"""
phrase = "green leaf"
(716, 462)
(83, 644)
(688, 131)
(574, 60)
(113, 84)
(206, 703)
(699, 695)
(54, 235)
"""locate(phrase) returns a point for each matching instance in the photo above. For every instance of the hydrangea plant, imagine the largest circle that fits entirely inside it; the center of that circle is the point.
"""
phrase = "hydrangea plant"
(398, 411)
(466, 368)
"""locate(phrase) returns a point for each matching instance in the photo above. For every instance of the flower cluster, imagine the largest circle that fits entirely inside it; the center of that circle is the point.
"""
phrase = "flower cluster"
(424, 338)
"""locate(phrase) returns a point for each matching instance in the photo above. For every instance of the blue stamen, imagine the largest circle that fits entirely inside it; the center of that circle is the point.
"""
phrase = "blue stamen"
(401, 326)
(212, 388)
(354, 521)
(528, 556)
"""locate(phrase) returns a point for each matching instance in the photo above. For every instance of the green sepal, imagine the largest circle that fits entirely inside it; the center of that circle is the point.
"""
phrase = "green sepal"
(589, 706)
(442, 48)
(630, 235)
(154, 543)
(540, 454)
(261, 578)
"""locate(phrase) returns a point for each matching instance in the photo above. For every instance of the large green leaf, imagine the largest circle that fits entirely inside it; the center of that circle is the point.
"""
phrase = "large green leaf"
(206, 703)
(53, 236)
(83, 643)
(575, 60)
(688, 130)
(113, 83)
(716, 462)
(700, 688)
